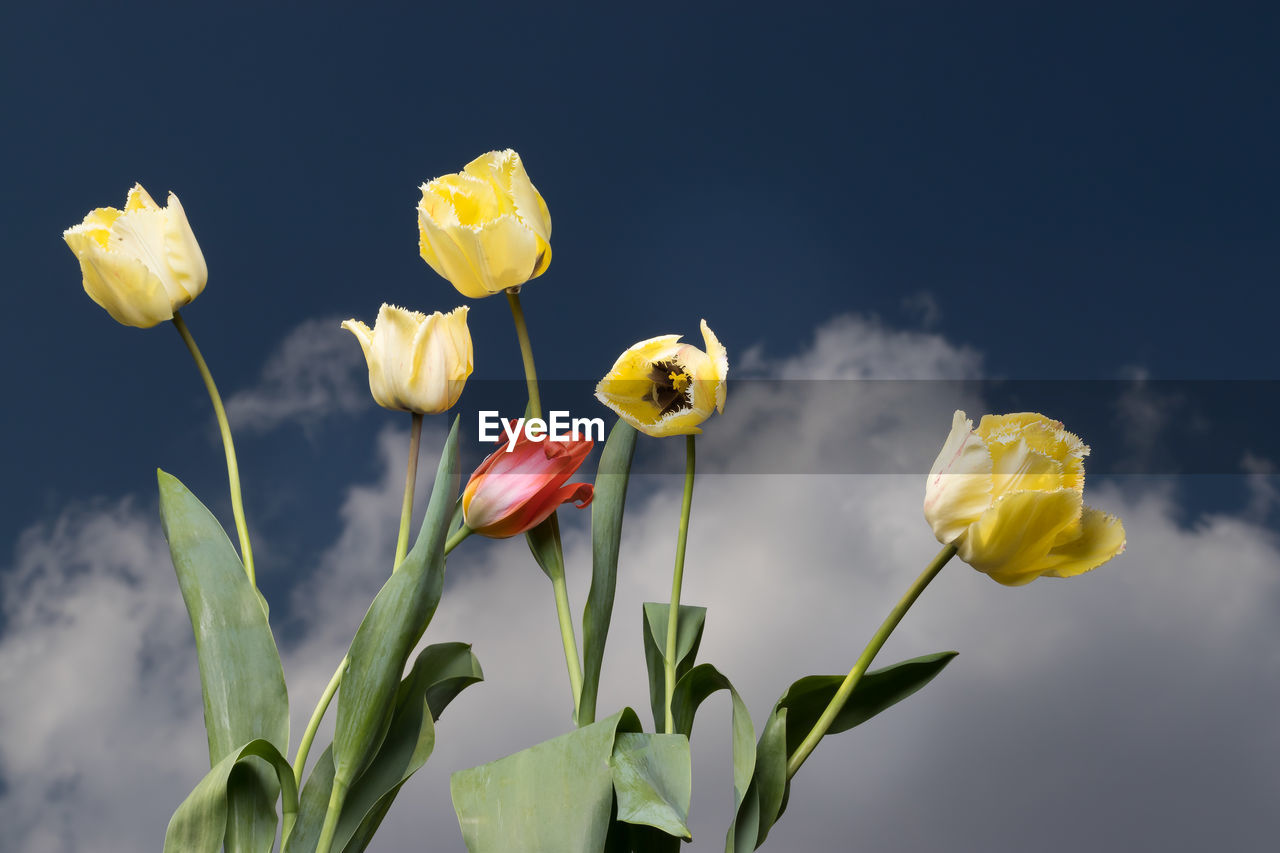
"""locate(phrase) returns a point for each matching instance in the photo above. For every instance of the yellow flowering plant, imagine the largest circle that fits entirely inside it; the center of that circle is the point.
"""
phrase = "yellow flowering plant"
(1007, 497)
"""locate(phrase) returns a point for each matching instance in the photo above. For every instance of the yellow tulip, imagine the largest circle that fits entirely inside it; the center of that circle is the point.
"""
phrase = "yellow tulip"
(416, 363)
(663, 387)
(1010, 496)
(141, 264)
(485, 229)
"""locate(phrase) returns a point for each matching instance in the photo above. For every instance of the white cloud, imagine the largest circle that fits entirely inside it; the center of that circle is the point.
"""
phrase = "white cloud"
(1131, 707)
(99, 701)
(317, 371)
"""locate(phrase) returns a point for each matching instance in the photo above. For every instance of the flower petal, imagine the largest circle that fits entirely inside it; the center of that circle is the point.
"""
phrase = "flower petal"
(504, 251)
(719, 360)
(121, 284)
(1011, 539)
(958, 490)
(439, 247)
(1102, 537)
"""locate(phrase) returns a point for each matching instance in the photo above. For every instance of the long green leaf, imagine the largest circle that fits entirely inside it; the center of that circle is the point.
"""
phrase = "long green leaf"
(806, 699)
(391, 628)
(557, 795)
(240, 673)
(688, 638)
(440, 672)
(653, 781)
(606, 535)
(199, 824)
(696, 685)
(794, 716)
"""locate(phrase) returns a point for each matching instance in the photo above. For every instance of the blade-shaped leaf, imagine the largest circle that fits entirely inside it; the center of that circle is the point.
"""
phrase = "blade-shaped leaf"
(200, 822)
(544, 543)
(763, 801)
(438, 675)
(806, 699)
(557, 795)
(240, 673)
(793, 718)
(606, 534)
(653, 780)
(391, 628)
(696, 685)
(688, 638)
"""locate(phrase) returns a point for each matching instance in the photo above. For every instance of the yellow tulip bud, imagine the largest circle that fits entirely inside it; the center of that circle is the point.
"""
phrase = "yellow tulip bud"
(141, 264)
(663, 387)
(485, 229)
(416, 363)
(1010, 496)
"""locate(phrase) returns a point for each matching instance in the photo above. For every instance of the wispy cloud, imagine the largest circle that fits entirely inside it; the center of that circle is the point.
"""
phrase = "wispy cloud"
(316, 372)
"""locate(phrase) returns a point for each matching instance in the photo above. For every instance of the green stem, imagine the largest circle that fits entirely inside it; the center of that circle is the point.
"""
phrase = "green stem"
(410, 479)
(567, 637)
(233, 470)
(868, 654)
(456, 539)
(526, 353)
(337, 796)
(677, 578)
(304, 746)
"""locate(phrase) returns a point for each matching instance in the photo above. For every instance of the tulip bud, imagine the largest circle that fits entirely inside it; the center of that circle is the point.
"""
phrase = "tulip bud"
(515, 491)
(141, 264)
(663, 387)
(1010, 496)
(416, 363)
(485, 229)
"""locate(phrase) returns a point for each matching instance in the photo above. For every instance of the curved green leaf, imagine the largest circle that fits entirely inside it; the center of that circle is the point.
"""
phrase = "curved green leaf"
(391, 628)
(557, 795)
(606, 535)
(653, 781)
(241, 678)
(199, 824)
(688, 638)
(544, 544)
(696, 685)
(877, 690)
(440, 672)
(793, 718)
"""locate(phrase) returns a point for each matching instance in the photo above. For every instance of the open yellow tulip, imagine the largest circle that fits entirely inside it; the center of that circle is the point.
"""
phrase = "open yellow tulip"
(1009, 495)
(663, 387)
(141, 264)
(417, 363)
(485, 229)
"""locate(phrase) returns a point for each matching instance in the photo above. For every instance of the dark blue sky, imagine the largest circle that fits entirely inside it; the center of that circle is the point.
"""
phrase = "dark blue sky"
(1080, 191)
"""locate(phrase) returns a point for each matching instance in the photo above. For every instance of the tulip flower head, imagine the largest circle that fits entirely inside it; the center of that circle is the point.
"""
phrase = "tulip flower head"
(663, 387)
(514, 491)
(142, 263)
(417, 363)
(485, 229)
(1009, 495)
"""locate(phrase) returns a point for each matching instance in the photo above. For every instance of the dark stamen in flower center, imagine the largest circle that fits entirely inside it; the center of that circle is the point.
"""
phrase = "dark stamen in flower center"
(670, 391)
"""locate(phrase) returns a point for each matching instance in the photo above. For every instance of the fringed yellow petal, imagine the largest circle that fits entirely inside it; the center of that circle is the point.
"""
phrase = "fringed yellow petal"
(959, 487)
(485, 229)
(1101, 537)
(1011, 538)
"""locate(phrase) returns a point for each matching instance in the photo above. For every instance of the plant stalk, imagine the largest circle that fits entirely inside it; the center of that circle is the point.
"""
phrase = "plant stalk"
(677, 579)
(233, 469)
(868, 655)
